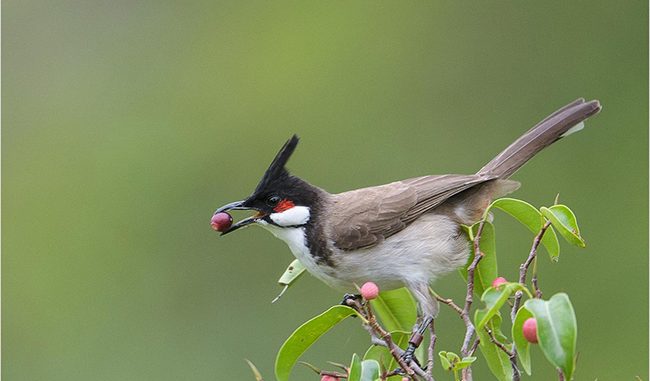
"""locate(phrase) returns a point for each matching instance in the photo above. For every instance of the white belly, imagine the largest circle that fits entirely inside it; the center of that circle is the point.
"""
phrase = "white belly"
(428, 248)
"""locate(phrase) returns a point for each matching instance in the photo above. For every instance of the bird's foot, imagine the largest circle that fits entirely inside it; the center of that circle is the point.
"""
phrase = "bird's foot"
(415, 340)
(409, 355)
(407, 360)
(351, 300)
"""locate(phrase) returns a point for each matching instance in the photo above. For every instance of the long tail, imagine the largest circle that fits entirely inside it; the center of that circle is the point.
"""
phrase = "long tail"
(561, 123)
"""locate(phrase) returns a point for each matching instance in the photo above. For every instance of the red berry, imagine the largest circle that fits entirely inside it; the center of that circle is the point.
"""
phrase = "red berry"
(499, 281)
(369, 291)
(530, 330)
(329, 378)
(221, 221)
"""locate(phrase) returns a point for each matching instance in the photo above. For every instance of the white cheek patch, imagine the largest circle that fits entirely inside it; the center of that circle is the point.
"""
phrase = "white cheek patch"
(296, 216)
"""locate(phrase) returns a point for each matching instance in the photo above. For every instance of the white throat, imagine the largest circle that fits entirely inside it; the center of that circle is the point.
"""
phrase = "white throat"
(289, 227)
(295, 238)
(296, 216)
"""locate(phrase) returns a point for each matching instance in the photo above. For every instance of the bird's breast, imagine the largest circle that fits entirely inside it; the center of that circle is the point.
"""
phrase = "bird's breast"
(296, 239)
(430, 247)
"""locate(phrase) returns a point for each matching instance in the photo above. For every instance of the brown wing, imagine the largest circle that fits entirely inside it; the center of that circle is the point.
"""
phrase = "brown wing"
(365, 217)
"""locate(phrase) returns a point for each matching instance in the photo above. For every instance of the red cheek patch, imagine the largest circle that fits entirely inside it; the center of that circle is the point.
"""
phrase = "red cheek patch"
(284, 205)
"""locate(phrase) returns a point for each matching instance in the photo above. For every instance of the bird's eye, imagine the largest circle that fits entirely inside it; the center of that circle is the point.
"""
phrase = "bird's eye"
(273, 200)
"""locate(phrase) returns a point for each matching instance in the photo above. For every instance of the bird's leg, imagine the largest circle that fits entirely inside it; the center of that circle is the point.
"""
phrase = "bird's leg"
(427, 311)
(416, 338)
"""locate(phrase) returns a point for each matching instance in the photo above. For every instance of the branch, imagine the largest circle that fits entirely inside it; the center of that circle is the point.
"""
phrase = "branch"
(337, 375)
(469, 298)
(432, 343)
(538, 291)
(499, 344)
(474, 346)
(382, 337)
(448, 302)
(512, 354)
(523, 269)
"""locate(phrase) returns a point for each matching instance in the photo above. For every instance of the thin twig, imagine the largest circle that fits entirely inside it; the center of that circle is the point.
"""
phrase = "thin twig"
(498, 343)
(474, 346)
(432, 344)
(448, 302)
(411, 369)
(523, 268)
(385, 336)
(336, 375)
(533, 280)
(512, 355)
(469, 298)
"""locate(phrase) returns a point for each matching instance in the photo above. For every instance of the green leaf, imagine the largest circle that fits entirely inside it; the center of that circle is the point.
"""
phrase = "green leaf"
(465, 362)
(370, 370)
(462, 364)
(382, 354)
(530, 217)
(444, 361)
(453, 358)
(451, 361)
(494, 299)
(563, 219)
(486, 271)
(523, 346)
(290, 275)
(355, 369)
(557, 330)
(303, 337)
(497, 360)
(396, 309)
(256, 373)
(520, 210)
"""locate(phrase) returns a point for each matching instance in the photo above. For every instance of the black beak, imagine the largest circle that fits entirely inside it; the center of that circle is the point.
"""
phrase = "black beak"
(239, 205)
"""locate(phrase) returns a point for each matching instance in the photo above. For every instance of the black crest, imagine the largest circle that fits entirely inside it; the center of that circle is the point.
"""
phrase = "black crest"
(277, 168)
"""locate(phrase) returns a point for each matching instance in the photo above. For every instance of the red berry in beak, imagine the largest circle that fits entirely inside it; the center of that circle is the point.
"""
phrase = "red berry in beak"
(221, 221)
(530, 330)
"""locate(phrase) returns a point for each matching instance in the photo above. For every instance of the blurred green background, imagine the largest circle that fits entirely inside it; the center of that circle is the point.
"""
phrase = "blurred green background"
(126, 123)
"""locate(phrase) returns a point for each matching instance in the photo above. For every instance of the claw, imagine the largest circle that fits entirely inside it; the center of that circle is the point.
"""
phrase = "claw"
(415, 340)
(350, 300)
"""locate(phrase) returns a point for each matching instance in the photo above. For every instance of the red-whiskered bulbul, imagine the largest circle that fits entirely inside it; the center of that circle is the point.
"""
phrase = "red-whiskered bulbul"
(406, 233)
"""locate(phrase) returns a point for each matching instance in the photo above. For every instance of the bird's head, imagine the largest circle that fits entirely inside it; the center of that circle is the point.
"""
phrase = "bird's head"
(280, 199)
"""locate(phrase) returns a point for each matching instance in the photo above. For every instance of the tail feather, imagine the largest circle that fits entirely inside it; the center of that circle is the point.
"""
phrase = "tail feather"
(561, 123)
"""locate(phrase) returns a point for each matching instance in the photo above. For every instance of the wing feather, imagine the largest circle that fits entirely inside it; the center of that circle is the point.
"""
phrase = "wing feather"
(365, 217)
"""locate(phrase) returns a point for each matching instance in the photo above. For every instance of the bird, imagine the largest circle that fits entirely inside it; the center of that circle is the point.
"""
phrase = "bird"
(406, 233)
